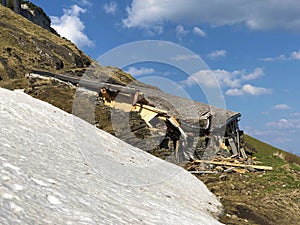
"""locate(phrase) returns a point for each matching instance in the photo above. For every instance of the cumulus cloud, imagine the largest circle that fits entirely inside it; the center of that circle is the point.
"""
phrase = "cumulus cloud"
(180, 32)
(84, 2)
(211, 78)
(216, 54)
(282, 107)
(248, 89)
(110, 8)
(232, 79)
(71, 26)
(257, 15)
(199, 32)
(235, 81)
(184, 57)
(283, 124)
(253, 90)
(140, 71)
(295, 55)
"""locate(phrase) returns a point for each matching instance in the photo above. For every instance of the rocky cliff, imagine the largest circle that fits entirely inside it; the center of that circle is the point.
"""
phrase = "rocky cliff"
(36, 15)
(31, 12)
(25, 46)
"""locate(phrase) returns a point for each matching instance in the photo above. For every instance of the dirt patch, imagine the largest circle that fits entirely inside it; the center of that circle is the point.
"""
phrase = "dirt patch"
(246, 201)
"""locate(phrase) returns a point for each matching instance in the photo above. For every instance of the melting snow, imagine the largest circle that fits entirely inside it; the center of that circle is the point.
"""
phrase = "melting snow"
(77, 174)
(53, 200)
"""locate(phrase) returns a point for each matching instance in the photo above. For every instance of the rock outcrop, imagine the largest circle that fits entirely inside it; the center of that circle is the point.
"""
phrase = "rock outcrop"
(24, 46)
(36, 15)
(31, 12)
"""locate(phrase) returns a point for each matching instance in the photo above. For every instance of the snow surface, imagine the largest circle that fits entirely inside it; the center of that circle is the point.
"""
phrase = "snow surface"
(57, 169)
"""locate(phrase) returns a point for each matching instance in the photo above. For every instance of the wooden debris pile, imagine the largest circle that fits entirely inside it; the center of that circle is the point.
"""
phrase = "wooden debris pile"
(225, 165)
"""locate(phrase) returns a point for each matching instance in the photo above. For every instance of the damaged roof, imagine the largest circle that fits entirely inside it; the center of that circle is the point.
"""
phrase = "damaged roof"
(187, 110)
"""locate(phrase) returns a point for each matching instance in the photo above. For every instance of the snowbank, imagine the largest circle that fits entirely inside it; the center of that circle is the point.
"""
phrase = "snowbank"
(58, 169)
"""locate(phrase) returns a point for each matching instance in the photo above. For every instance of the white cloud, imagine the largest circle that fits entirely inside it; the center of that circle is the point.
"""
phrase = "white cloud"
(258, 72)
(248, 89)
(235, 81)
(180, 32)
(84, 2)
(184, 57)
(209, 78)
(257, 15)
(234, 92)
(71, 26)
(110, 8)
(140, 71)
(216, 54)
(252, 90)
(295, 55)
(282, 107)
(199, 32)
(282, 124)
(232, 79)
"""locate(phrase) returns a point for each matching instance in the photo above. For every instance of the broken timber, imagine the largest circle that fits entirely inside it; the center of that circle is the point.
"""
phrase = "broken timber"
(235, 164)
(190, 138)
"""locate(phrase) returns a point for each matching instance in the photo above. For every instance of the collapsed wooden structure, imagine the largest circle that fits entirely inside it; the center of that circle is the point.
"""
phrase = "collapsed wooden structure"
(191, 130)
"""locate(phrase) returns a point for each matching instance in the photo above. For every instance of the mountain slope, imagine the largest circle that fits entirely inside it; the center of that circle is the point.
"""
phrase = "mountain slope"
(260, 198)
(267, 198)
(26, 46)
(58, 169)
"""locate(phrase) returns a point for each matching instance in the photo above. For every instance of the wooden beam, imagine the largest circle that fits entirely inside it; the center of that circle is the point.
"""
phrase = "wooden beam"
(175, 123)
(235, 164)
(150, 108)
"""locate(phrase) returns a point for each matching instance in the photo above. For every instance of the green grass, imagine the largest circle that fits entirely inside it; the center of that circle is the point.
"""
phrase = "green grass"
(24, 46)
(285, 173)
(270, 154)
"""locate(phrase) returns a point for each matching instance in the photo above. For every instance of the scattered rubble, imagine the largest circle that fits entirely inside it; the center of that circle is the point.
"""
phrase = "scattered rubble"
(224, 165)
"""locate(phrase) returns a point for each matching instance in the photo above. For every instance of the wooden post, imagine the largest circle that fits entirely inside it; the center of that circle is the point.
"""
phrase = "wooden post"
(176, 148)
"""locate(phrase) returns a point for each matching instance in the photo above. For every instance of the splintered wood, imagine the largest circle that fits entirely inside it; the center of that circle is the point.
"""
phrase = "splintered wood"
(224, 165)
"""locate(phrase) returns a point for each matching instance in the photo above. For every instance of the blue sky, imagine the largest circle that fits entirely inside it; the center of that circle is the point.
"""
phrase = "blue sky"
(251, 47)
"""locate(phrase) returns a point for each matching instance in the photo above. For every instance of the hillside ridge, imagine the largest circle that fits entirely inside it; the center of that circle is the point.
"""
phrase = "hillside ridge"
(253, 198)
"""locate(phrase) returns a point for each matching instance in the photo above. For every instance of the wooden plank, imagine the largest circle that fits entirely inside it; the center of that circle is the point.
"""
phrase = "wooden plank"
(123, 106)
(177, 151)
(150, 108)
(229, 170)
(204, 172)
(235, 164)
(174, 122)
(244, 155)
(233, 147)
(240, 171)
(146, 113)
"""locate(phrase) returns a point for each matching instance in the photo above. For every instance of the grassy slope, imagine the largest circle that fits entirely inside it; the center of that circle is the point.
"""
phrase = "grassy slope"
(271, 197)
(25, 46)
(260, 197)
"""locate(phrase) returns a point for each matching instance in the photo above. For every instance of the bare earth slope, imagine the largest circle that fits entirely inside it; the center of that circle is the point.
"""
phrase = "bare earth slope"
(58, 169)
